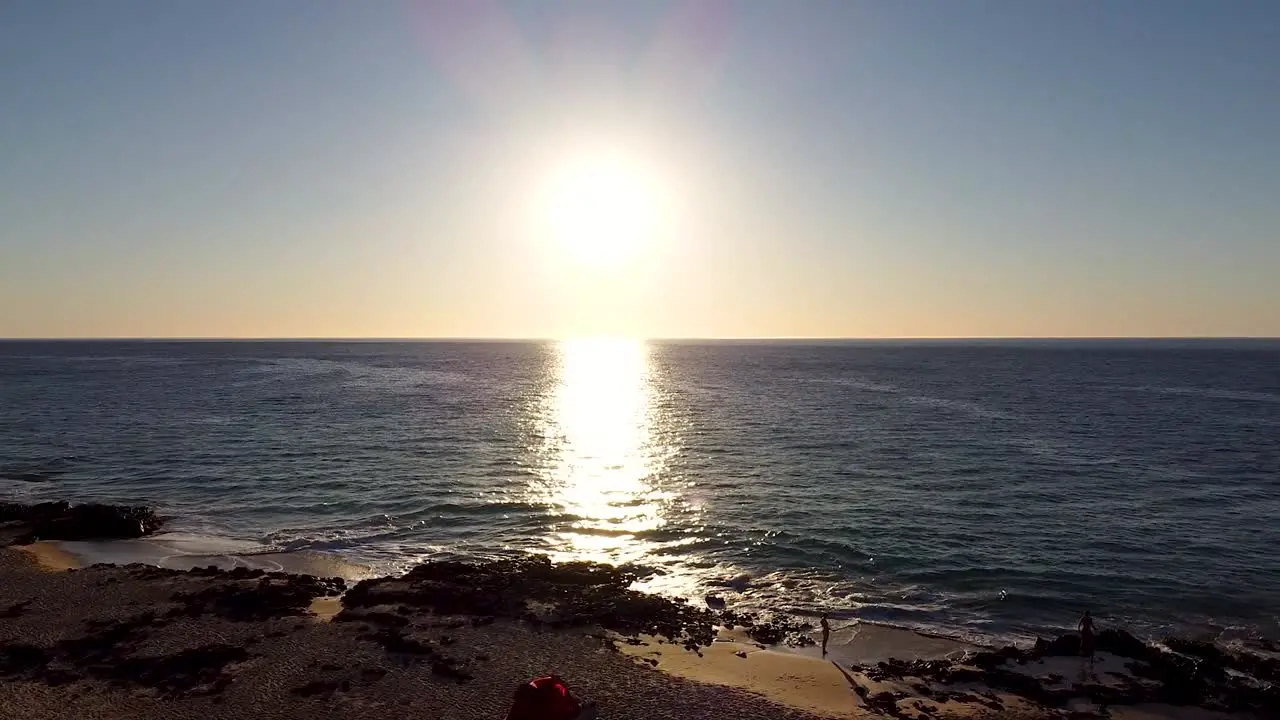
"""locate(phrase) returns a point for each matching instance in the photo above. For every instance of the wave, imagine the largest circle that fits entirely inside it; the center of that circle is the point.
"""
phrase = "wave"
(960, 406)
(905, 396)
(181, 551)
(39, 469)
(1215, 393)
(353, 375)
(918, 607)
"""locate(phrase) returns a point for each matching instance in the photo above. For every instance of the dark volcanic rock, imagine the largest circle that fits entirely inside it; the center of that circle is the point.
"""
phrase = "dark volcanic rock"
(767, 633)
(1193, 674)
(450, 668)
(62, 521)
(273, 595)
(410, 650)
(105, 640)
(1197, 648)
(989, 660)
(534, 590)
(800, 640)
(105, 653)
(884, 703)
(198, 670)
(21, 659)
(396, 642)
(1068, 644)
(1213, 660)
(777, 629)
(1116, 642)
(16, 609)
(18, 512)
(1119, 642)
(325, 688)
(373, 618)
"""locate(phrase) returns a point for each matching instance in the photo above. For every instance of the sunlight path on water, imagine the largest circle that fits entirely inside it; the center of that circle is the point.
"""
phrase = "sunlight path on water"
(605, 443)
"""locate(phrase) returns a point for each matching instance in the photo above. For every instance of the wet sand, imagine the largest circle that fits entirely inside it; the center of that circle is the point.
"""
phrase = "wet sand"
(50, 556)
(798, 677)
(178, 551)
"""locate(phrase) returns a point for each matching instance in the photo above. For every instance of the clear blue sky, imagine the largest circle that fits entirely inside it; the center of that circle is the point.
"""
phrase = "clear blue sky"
(825, 168)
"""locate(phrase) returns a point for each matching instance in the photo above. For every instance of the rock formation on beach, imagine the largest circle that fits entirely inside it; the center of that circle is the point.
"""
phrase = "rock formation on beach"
(139, 641)
(1176, 672)
(433, 619)
(64, 521)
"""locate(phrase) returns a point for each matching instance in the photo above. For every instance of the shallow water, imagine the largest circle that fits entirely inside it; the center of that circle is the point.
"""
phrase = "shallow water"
(978, 489)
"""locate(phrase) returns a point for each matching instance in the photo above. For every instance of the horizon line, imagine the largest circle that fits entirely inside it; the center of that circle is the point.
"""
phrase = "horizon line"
(724, 338)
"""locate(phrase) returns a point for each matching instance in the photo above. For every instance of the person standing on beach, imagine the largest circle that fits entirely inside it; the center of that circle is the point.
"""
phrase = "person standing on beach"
(1085, 626)
(826, 633)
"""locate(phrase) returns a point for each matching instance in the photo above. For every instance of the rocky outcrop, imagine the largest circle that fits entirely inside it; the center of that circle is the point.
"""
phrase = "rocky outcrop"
(577, 594)
(771, 630)
(1177, 671)
(106, 653)
(121, 651)
(532, 589)
(63, 521)
(274, 594)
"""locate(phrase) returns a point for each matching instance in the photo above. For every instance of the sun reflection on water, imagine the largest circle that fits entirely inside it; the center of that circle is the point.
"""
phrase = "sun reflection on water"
(603, 450)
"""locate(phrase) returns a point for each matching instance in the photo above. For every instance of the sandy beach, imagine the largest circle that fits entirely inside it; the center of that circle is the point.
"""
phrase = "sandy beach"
(140, 641)
(295, 666)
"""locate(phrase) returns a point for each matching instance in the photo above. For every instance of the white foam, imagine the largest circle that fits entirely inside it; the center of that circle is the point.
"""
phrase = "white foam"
(183, 551)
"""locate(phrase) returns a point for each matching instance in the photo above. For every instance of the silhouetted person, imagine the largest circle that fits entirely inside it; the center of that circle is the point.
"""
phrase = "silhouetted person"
(826, 633)
(1086, 636)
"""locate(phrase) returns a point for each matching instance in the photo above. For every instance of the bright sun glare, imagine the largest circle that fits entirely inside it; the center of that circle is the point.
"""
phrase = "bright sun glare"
(603, 208)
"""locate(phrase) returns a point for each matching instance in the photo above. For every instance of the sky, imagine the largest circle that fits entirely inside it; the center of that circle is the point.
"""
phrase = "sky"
(695, 168)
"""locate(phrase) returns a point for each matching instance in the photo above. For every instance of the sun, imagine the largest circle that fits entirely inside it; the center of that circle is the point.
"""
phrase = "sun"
(602, 208)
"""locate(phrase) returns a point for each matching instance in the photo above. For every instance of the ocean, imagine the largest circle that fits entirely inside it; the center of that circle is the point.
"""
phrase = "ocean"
(980, 490)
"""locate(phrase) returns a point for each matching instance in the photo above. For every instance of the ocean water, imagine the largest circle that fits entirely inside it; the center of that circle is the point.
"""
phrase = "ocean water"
(977, 489)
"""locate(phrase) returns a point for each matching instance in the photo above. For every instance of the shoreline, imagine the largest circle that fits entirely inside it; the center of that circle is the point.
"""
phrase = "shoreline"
(797, 677)
(182, 545)
(50, 556)
(424, 665)
(854, 642)
(180, 550)
(852, 681)
(799, 681)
